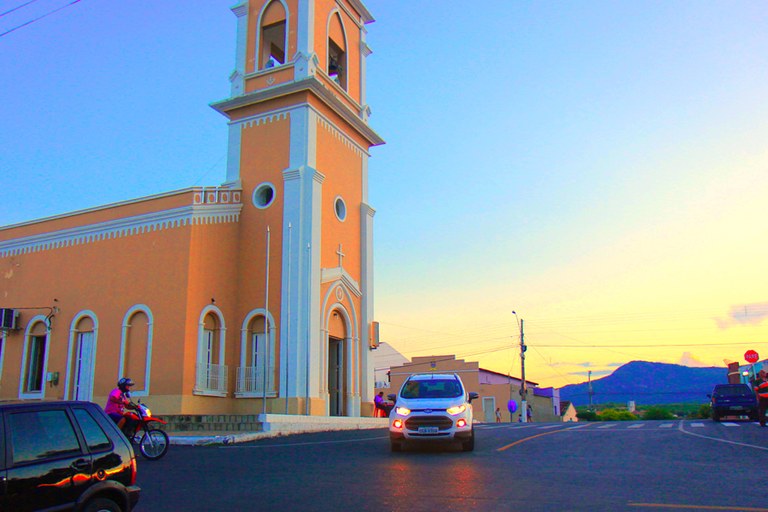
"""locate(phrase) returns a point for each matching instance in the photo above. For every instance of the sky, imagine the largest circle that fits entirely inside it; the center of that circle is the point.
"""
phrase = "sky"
(598, 167)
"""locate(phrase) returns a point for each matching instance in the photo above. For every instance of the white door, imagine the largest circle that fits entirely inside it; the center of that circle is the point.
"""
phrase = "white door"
(86, 352)
(489, 409)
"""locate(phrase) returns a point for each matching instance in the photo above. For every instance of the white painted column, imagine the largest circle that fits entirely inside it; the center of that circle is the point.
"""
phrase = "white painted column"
(241, 42)
(366, 315)
(300, 331)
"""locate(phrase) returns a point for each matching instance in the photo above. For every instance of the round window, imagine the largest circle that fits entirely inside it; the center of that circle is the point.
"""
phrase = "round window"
(340, 208)
(263, 195)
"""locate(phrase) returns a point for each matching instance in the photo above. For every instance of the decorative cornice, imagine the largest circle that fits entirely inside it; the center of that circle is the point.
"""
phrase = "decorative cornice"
(367, 210)
(240, 10)
(365, 14)
(139, 224)
(340, 135)
(328, 275)
(308, 84)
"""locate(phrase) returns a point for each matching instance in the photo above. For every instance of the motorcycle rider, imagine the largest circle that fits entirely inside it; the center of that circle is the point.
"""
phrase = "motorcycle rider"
(119, 400)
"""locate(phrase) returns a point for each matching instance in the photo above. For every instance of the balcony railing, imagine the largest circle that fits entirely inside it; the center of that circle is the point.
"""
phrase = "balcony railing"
(250, 380)
(211, 378)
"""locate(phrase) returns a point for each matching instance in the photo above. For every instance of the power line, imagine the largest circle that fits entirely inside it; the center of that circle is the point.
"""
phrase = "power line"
(73, 2)
(648, 345)
(17, 8)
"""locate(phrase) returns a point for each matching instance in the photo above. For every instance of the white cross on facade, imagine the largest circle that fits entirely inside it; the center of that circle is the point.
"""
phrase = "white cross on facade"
(341, 256)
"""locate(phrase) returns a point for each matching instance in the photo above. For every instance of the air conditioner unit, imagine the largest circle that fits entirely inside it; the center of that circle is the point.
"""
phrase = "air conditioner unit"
(8, 318)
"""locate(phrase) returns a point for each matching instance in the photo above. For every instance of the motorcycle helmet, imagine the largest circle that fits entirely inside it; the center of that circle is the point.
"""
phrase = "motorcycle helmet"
(124, 383)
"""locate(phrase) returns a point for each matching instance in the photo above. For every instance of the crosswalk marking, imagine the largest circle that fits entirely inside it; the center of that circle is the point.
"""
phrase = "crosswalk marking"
(617, 425)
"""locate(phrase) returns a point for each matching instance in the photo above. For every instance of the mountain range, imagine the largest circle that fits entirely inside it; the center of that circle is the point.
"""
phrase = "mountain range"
(648, 384)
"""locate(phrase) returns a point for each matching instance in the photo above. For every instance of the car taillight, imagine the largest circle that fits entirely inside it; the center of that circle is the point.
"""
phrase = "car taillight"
(133, 470)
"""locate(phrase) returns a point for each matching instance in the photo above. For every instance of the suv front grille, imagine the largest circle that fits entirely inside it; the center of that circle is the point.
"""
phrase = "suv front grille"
(441, 422)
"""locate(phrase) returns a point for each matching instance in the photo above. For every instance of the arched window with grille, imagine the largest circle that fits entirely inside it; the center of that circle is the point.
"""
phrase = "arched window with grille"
(210, 371)
(256, 373)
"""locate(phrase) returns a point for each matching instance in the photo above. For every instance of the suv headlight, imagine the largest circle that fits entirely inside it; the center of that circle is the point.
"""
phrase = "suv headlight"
(456, 409)
(403, 411)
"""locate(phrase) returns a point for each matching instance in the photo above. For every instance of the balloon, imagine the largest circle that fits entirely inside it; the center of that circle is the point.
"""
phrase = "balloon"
(512, 406)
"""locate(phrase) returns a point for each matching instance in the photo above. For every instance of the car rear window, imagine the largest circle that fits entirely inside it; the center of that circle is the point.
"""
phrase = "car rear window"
(95, 437)
(733, 390)
(433, 388)
(38, 435)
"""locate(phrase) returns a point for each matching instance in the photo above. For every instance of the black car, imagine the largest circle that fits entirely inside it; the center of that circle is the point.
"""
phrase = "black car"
(733, 400)
(64, 456)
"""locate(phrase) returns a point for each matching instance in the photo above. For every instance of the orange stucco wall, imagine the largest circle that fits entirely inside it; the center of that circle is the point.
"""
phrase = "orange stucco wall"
(106, 277)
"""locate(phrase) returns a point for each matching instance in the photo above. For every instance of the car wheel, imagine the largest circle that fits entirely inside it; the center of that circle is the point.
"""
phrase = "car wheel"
(469, 444)
(101, 505)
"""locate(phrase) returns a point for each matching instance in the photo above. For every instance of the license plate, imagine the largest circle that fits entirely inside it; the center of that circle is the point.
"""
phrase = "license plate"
(428, 430)
(737, 407)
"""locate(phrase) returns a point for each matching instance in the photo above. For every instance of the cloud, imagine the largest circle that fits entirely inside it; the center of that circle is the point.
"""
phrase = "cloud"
(595, 374)
(744, 314)
(688, 359)
(589, 364)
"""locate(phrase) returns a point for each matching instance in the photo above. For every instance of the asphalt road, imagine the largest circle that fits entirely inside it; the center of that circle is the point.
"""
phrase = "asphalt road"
(654, 465)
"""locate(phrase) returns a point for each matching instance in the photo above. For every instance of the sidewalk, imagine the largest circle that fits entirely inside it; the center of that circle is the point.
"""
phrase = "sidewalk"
(274, 425)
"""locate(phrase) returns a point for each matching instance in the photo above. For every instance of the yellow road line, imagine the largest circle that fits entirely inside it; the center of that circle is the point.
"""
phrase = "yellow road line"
(534, 437)
(696, 507)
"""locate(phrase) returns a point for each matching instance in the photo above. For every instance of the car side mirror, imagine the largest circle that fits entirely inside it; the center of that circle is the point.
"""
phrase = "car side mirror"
(472, 396)
(391, 397)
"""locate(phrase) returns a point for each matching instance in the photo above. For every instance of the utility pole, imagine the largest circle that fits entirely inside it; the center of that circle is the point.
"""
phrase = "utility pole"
(589, 378)
(523, 387)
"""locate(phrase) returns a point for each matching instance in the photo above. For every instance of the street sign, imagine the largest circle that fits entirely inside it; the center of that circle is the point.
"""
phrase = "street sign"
(751, 356)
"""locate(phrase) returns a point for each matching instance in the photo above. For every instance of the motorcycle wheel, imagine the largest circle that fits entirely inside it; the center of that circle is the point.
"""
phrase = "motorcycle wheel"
(154, 444)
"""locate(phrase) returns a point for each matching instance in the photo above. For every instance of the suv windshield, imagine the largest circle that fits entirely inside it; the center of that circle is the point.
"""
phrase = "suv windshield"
(432, 388)
(732, 390)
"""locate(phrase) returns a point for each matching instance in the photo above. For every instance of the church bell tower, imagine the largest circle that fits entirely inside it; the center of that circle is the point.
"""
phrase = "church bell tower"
(299, 143)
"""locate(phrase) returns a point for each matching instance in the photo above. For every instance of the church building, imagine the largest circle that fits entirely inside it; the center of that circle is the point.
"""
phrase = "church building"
(252, 296)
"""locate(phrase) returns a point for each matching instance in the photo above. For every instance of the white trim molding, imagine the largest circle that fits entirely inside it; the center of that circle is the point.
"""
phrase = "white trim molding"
(129, 226)
(70, 372)
(138, 308)
(200, 390)
(23, 374)
(271, 348)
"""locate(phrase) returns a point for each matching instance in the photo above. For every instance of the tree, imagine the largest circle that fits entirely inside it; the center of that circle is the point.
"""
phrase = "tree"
(657, 413)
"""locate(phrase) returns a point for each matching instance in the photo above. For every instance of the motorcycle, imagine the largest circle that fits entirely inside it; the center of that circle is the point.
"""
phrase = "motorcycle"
(152, 442)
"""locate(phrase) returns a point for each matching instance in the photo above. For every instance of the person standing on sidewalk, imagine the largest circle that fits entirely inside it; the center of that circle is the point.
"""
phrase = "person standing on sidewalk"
(761, 390)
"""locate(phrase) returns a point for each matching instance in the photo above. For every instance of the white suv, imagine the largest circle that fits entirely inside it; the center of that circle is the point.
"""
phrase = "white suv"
(432, 407)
